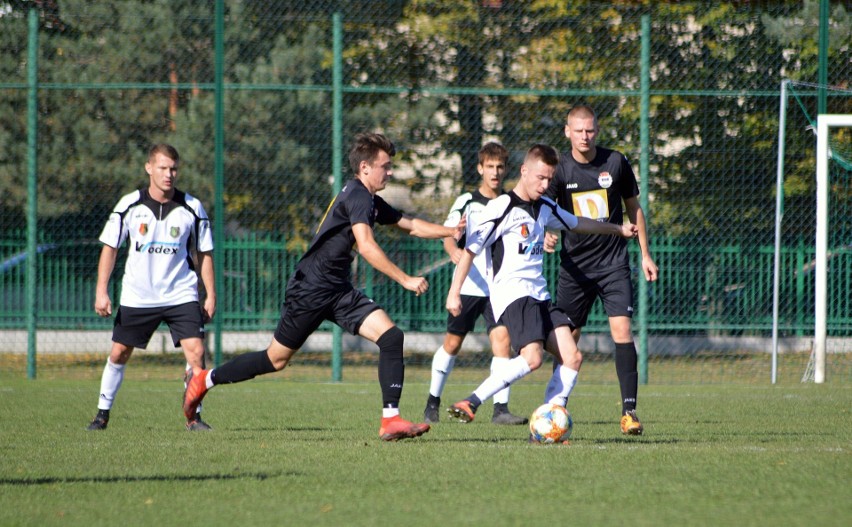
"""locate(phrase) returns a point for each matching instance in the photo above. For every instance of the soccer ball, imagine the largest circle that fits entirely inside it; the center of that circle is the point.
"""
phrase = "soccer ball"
(551, 423)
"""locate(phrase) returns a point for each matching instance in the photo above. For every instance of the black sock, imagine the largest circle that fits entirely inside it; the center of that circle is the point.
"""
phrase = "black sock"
(501, 408)
(628, 377)
(391, 366)
(474, 402)
(243, 367)
(104, 414)
(433, 401)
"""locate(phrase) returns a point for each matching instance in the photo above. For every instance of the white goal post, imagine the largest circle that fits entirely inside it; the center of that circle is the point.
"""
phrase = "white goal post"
(827, 146)
(824, 123)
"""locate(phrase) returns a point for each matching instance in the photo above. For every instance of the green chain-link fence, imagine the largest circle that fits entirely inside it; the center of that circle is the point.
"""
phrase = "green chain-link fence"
(689, 91)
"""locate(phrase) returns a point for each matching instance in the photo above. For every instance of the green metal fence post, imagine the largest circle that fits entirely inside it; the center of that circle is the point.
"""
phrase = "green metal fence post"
(219, 170)
(337, 167)
(644, 139)
(802, 305)
(822, 73)
(32, 189)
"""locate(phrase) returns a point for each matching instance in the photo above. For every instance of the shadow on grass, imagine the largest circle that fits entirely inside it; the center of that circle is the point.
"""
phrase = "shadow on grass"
(274, 429)
(630, 440)
(487, 440)
(260, 476)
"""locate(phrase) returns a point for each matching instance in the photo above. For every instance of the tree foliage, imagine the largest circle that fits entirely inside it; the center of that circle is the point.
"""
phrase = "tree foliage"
(440, 77)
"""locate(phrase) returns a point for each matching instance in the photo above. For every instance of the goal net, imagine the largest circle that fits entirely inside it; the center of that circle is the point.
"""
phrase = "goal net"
(816, 183)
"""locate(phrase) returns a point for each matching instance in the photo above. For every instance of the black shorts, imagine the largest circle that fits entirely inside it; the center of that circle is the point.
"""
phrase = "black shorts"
(576, 295)
(134, 326)
(306, 307)
(472, 307)
(529, 320)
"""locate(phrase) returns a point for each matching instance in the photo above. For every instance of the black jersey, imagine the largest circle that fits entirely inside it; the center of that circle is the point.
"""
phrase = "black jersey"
(594, 190)
(327, 263)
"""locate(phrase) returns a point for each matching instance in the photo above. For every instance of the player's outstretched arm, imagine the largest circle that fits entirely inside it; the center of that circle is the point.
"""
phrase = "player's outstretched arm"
(589, 226)
(425, 229)
(106, 263)
(375, 256)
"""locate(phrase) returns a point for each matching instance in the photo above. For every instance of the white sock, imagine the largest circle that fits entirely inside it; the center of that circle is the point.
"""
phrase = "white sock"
(189, 369)
(501, 397)
(561, 383)
(513, 370)
(389, 412)
(110, 383)
(442, 365)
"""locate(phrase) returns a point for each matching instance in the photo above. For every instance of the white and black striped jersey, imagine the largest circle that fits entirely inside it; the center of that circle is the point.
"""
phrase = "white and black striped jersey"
(471, 204)
(512, 232)
(159, 270)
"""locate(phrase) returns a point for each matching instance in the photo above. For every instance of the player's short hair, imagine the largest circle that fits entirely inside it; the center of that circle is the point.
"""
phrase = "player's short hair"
(165, 149)
(366, 147)
(493, 150)
(581, 110)
(546, 153)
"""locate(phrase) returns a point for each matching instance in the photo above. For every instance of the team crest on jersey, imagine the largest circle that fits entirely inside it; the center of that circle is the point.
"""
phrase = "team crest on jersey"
(604, 180)
(174, 232)
(525, 231)
(143, 229)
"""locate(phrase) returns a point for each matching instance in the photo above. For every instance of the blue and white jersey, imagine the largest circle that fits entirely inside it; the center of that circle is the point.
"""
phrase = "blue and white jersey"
(159, 270)
(471, 204)
(512, 232)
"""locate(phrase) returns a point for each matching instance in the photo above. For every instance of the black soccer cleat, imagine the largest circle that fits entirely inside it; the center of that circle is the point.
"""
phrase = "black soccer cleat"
(504, 417)
(197, 425)
(100, 421)
(430, 414)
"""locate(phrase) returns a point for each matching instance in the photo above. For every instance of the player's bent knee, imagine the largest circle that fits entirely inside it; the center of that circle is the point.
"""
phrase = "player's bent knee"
(391, 341)
(452, 350)
(280, 364)
(120, 355)
(534, 362)
(280, 358)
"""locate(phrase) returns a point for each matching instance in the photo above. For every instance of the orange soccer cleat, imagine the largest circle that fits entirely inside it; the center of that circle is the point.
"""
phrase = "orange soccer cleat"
(196, 389)
(396, 428)
(631, 425)
(462, 411)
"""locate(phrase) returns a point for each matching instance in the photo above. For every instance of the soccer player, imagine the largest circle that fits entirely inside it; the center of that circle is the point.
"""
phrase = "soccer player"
(163, 227)
(474, 291)
(512, 229)
(592, 182)
(321, 289)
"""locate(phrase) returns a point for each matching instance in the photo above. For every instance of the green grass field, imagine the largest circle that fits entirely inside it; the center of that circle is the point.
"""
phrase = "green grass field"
(306, 453)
